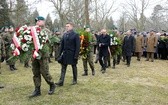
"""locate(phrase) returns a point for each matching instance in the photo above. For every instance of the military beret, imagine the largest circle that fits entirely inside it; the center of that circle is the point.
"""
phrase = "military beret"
(86, 26)
(39, 18)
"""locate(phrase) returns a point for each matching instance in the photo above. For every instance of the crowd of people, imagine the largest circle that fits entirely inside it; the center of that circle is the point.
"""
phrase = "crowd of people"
(106, 45)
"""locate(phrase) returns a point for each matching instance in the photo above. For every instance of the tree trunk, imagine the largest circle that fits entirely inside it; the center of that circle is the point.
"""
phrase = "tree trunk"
(87, 21)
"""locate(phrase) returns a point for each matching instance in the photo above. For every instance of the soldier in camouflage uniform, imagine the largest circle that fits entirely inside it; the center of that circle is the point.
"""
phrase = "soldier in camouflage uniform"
(57, 44)
(7, 37)
(89, 56)
(41, 66)
(2, 54)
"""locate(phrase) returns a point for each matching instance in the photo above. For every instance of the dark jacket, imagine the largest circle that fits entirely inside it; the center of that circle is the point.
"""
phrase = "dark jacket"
(128, 45)
(105, 43)
(70, 47)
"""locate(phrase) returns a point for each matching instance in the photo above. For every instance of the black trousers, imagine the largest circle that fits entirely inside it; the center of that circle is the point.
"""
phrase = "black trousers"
(103, 61)
(63, 72)
(128, 59)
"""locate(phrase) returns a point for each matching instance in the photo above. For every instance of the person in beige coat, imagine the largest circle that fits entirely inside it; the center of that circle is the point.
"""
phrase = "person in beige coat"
(151, 44)
(139, 45)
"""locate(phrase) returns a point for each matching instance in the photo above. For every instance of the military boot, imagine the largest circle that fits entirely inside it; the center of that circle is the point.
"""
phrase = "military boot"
(11, 67)
(52, 89)
(93, 72)
(37, 92)
(85, 73)
(74, 82)
(1, 87)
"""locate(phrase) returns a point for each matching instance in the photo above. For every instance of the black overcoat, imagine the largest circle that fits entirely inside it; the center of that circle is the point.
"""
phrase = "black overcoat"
(105, 41)
(70, 47)
(128, 45)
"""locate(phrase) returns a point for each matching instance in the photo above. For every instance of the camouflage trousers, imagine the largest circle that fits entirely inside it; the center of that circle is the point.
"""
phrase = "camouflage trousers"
(8, 55)
(41, 67)
(89, 60)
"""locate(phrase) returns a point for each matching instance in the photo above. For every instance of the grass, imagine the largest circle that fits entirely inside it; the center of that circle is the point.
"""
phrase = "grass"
(143, 83)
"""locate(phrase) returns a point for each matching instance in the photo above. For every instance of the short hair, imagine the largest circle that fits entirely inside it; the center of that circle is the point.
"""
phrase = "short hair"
(72, 24)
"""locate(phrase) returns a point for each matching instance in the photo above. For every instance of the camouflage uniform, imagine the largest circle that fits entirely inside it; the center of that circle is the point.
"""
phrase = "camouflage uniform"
(2, 54)
(2, 51)
(57, 47)
(41, 67)
(50, 46)
(89, 58)
(7, 37)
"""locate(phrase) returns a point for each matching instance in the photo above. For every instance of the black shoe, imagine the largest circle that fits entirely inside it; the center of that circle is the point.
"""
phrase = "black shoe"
(138, 59)
(128, 65)
(36, 93)
(11, 68)
(52, 89)
(85, 74)
(113, 67)
(59, 84)
(93, 72)
(103, 71)
(74, 83)
(1, 87)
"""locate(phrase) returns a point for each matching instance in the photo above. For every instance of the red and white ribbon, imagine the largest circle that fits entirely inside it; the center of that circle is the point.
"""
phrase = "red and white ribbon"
(16, 52)
(35, 41)
(16, 42)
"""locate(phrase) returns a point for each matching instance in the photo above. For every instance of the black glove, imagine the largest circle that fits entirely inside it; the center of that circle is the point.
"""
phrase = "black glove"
(76, 58)
(60, 59)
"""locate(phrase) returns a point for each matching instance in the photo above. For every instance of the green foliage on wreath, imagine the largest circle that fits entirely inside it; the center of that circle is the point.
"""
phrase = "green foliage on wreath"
(117, 50)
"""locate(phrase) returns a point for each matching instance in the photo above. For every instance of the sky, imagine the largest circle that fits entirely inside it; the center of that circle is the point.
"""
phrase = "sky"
(45, 7)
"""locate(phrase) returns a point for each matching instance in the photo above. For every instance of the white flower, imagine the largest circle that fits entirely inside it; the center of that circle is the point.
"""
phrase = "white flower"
(41, 46)
(42, 33)
(115, 38)
(25, 47)
(12, 46)
(28, 37)
(111, 35)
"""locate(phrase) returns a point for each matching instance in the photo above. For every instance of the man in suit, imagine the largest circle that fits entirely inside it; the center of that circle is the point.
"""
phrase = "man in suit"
(103, 43)
(128, 46)
(70, 47)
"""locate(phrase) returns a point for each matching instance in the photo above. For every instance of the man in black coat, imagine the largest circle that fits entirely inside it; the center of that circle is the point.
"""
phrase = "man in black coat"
(103, 43)
(128, 46)
(69, 51)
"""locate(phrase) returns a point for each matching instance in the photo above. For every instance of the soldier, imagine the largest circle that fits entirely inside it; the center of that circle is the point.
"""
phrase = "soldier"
(7, 37)
(151, 44)
(128, 46)
(89, 57)
(104, 43)
(2, 54)
(57, 35)
(41, 66)
(69, 52)
(139, 45)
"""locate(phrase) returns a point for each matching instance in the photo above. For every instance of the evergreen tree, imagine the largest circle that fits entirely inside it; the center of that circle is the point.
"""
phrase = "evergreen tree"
(48, 22)
(21, 13)
(4, 14)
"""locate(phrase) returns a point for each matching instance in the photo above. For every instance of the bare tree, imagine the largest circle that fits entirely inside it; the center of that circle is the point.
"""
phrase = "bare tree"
(136, 9)
(103, 10)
